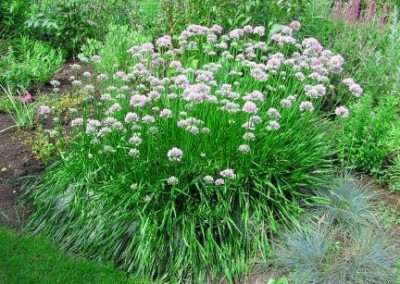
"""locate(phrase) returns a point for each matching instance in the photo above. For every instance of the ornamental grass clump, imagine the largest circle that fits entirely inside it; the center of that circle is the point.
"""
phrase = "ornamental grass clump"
(180, 165)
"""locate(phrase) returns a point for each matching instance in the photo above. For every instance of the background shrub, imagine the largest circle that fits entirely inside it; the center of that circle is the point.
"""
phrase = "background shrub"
(27, 61)
(363, 143)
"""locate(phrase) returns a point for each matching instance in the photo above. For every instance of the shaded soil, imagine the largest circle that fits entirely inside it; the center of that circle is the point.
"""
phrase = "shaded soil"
(392, 199)
(16, 161)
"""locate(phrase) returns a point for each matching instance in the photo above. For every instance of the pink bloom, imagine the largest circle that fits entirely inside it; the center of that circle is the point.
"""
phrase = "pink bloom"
(273, 113)
(273, 125)
(175, 154)
(306, 106)
(166, 113)
(27, 97)
(43, 110)
(164, 41)
(229, 173)
(342, 111)
(131, 116)
(259, 30)
(295, 25)
(138, 100)
(250, 107)
(356, 90)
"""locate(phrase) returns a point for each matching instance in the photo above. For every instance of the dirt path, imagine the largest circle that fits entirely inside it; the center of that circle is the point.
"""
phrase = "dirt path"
(16, 161)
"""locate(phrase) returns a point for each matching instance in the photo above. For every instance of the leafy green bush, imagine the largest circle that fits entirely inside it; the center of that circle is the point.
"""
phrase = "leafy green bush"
(28, 61)
(180, 165)
(372, 53)
(68, 24)
(177, 14)
(113, 50)
(13, 14)
(363, 143)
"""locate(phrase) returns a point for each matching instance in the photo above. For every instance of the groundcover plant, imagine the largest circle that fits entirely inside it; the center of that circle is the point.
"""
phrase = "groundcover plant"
(182, 163)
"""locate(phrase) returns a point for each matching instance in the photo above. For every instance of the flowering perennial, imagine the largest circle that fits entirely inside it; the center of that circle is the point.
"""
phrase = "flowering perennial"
(216, 131)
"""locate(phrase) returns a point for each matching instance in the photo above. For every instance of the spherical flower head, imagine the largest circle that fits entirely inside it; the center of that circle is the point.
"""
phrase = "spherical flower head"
(228, 173)
(175, 154)
(249, 136)
(273, 125)
(96, 59)
(135, 140)
(295, 25)
(248, 29)
(273, 113)
(348, 81)
(114, 108)
(153, 130)
(306, 106)
(208, 179)
(259, 30)
(131, 116)
(148, 119)
(342, 112)
(43, 110)
(138, 100)
(217, 29)
(164, 41)
(245, 149)
(166, 113)
(250, 107)
(77, 122)
(212, 38)
(55, 83)
(76, 83)
(356, 90)
(102, 77)
(89, 88)
(219, 181)
(286, 103)
(134, 153)
(172, 180)
(192, 129)
(75, 67)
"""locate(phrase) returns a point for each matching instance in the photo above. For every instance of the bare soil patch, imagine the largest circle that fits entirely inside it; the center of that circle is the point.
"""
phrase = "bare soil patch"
(16, 161)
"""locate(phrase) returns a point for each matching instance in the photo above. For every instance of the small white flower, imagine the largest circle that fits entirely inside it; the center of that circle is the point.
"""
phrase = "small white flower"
(245, 149)
(172, 180)
(135, 153)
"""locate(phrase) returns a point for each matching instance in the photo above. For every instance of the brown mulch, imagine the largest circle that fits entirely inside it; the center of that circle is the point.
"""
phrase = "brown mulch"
(16, 161)
(392, 199)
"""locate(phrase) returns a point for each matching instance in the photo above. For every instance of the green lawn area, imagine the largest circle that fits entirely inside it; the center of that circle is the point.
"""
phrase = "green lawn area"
(26, 259)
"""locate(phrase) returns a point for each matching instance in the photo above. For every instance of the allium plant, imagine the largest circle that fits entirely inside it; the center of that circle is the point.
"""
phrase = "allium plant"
(180, 167)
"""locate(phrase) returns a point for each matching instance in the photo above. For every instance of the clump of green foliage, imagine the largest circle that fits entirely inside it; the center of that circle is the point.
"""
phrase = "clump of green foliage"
(192, 151)
(363, 142)
(177, 14)
(26, 61)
